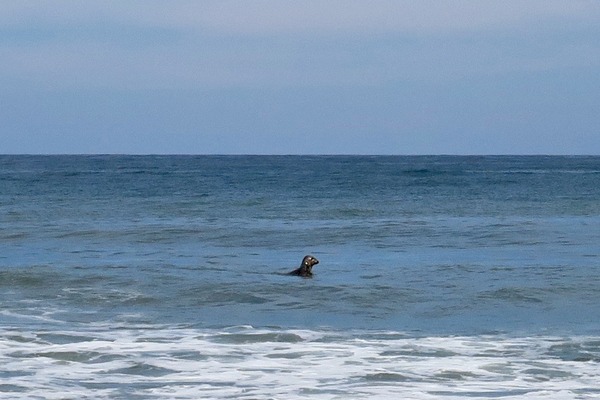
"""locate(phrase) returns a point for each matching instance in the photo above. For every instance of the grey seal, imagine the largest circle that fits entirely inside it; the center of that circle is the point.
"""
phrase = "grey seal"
(305, 268)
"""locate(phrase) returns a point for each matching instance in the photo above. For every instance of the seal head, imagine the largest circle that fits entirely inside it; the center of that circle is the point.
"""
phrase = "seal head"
(305, 268)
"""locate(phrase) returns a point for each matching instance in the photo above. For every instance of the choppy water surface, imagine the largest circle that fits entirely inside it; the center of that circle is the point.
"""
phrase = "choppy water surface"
(141, 277)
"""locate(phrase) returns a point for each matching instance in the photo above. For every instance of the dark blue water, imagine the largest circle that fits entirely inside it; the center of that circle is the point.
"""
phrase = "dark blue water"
(421, 246)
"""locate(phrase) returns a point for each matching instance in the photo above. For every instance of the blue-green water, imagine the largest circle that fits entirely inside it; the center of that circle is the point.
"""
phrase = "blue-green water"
(165, 276)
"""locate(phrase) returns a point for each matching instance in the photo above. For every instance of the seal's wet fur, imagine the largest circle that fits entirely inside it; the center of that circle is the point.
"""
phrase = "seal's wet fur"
(305, 268)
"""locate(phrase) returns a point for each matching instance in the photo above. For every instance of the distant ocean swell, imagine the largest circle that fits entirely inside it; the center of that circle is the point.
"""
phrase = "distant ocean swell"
(143, 361)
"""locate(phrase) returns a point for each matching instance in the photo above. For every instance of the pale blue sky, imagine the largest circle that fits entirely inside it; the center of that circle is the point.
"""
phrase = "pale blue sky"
(300, 77)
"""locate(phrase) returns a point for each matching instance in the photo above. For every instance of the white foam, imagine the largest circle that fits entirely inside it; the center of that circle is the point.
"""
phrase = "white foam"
(243, 362)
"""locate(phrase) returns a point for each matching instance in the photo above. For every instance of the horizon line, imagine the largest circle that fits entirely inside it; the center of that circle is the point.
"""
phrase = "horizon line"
(311, 155)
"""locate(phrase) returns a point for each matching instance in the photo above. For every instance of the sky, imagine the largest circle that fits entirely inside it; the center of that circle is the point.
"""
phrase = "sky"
(300, 77)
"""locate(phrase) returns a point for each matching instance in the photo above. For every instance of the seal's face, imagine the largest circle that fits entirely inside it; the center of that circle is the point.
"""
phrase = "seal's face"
(308, 262)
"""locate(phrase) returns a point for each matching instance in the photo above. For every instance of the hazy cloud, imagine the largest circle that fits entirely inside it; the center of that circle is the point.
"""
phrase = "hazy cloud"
(282, 43)
(306, 17)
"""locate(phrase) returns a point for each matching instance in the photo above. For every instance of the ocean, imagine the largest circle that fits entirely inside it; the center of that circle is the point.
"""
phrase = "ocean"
(140, 277)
